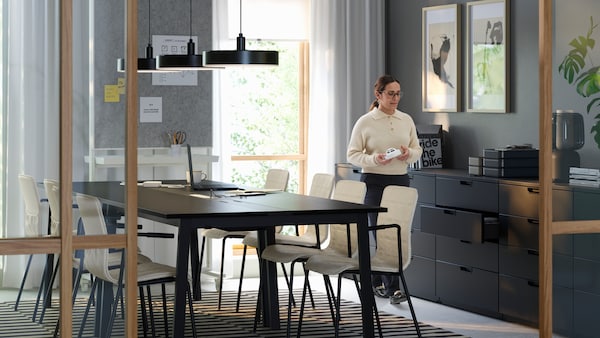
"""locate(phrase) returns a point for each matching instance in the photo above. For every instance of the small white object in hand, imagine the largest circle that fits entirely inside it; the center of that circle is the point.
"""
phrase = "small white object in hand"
(392, 152)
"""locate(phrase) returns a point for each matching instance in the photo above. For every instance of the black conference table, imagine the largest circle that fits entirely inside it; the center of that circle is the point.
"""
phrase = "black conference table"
(190, 210)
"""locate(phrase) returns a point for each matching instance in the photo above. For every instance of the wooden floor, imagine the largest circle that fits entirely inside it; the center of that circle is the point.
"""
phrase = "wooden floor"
(224, 323)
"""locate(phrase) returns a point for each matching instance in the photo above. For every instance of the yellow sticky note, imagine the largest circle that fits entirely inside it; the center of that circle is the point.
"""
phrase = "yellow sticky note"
(121, 84)
(111, 93)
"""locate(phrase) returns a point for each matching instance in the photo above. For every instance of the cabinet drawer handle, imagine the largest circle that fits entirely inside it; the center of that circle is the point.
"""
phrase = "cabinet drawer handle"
(466, 182)
(533, 190)
(449, 212)
(465, 269)
(532, 283)
(465, 241)
(533, 221)
(533, 252)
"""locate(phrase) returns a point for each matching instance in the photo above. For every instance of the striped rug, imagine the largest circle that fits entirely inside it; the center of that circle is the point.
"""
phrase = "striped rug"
(221, 323)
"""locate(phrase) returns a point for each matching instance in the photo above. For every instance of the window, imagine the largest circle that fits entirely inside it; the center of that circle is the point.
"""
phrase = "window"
(267, 117)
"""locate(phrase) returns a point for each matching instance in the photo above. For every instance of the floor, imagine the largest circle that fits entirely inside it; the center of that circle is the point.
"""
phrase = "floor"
(435, 314)
(438, 315)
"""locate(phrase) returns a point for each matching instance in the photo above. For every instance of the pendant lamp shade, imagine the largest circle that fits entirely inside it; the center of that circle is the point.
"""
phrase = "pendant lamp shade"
(241, 56)
(188, 61)
(147, 64)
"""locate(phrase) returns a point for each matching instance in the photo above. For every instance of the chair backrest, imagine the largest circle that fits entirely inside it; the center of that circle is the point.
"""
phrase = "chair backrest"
(96, 260)
(277, 179)
(401, 203)
(347, 191)
(31, 197)
(321, 185)
(53, 195)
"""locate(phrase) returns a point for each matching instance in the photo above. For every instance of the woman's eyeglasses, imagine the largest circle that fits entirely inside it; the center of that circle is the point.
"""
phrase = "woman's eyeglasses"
(392, 94)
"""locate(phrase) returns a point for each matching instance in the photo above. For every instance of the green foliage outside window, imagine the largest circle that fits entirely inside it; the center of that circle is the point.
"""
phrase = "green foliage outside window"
(264, 110)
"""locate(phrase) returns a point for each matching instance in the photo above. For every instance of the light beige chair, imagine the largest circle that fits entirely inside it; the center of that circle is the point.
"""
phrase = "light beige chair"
(321, 186)
(52, 189)
(276, 179)
(393, 252)
(345, 190)
(96, 262)
(32, 228)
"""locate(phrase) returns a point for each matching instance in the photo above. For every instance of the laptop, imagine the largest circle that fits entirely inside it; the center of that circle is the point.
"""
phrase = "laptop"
(206, 185)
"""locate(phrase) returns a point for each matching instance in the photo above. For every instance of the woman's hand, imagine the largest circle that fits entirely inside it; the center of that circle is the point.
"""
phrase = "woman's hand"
(405, 153)
(380, 159)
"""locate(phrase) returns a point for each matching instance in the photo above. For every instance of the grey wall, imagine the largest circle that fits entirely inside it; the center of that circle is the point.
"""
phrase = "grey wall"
(187, 108)
(469, 133)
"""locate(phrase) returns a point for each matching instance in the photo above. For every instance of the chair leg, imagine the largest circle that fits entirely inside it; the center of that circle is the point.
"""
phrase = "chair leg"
(23, 282)
(257, 311)
(410, 305)
(87, 308)
(302, 302)
(197, 288)
(239, 294)
(42, 289)
(144, 313)
(287, 280)
(290, 301)
(164, 303)
(192, 314)
(47, 296)
(221, 274)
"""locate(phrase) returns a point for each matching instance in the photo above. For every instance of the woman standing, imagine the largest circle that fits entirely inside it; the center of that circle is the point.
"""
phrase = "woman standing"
(384, 127)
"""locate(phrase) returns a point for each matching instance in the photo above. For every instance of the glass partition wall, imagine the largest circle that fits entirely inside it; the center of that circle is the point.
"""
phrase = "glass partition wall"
(52, 92)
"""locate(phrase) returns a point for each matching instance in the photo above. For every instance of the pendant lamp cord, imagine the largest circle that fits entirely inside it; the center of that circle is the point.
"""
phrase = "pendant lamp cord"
(240, 16)
(190, 19)
(149, 34)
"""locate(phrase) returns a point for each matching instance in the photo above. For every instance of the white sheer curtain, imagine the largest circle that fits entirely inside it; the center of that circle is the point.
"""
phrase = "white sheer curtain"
(347, 54)
(30, 112)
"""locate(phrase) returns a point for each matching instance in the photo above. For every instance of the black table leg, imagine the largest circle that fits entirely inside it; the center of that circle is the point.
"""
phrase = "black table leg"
(183, 252)
(268, 276)
(364, 259)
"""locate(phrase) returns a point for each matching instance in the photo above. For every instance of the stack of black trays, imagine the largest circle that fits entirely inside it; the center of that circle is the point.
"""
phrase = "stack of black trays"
(511, 162)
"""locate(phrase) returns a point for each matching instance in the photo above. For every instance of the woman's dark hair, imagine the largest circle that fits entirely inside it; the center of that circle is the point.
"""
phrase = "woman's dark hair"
(379, 86)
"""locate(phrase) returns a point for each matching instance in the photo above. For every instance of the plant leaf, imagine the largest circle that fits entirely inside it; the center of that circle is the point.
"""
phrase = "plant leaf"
(588, 82)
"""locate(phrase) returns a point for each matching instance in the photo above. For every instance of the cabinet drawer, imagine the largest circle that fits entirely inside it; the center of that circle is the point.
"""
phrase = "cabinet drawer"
(466, 194)
(523, 200)
(420, 278)
(423, 244)
(479, 255)
(465, 225)
(469, 288)
(519, 231)
(518, 200)
(425, 184)
(586, 275)
(524, 263)
(518, 299)
(519, 262)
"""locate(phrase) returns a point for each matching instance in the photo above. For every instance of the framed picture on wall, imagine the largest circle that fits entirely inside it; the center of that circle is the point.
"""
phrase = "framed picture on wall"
(441, 58)
(488, 56)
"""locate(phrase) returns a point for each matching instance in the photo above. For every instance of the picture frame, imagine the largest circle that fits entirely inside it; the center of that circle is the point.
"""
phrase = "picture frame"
(441, 57)
(488, 52)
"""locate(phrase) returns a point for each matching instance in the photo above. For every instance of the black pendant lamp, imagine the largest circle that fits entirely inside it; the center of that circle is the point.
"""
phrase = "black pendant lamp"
(147, 64)
(241, 56)
(189, 61)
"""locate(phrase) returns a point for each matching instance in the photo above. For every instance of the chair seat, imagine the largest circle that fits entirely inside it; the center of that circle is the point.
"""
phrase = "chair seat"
(334, 265)
(114, 259)
(281, 253)
(219, 233)
(331, 265)
(148, 272)
(308, 240)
